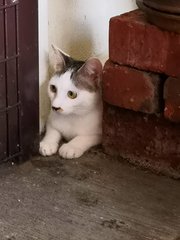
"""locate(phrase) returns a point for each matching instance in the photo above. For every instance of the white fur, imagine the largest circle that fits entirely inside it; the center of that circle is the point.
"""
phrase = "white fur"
(79, 122)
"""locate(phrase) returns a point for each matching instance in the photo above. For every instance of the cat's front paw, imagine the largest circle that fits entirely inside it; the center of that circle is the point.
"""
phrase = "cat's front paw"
(48, 148)
(68, 151)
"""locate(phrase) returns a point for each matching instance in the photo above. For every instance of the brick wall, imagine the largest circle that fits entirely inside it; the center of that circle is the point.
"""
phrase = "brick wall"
(141, 90)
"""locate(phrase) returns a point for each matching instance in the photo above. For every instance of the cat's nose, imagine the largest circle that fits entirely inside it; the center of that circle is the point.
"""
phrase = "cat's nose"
(56, 108)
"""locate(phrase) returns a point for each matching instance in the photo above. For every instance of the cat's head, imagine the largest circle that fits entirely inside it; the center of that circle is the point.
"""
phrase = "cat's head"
(76, 85)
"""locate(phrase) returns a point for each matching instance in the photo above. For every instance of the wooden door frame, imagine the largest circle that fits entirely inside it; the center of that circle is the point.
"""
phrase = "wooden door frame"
(29, 76)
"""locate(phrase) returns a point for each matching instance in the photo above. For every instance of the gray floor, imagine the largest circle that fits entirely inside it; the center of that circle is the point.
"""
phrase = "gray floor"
(93, 198)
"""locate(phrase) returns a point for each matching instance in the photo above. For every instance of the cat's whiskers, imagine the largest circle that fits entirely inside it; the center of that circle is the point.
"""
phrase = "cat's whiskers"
(80, 109)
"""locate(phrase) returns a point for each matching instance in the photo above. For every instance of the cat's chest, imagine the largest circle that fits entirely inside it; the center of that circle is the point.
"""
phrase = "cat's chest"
(69, 127)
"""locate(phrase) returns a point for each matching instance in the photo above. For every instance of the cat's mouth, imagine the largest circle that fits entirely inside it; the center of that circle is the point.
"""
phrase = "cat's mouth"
(57, 109)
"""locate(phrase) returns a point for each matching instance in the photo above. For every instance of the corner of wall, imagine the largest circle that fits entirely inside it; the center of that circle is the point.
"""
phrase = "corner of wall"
(43, 61)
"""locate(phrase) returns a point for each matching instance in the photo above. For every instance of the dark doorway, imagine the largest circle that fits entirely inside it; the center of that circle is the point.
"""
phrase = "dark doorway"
(19, 83)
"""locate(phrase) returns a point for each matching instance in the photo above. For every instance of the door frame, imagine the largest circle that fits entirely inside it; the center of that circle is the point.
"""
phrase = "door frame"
(29, 76)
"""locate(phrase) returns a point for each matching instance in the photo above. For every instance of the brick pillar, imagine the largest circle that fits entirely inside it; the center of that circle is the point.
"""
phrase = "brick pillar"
(141, 91)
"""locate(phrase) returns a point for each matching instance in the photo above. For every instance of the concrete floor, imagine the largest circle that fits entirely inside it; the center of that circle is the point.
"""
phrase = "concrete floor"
(92, 198)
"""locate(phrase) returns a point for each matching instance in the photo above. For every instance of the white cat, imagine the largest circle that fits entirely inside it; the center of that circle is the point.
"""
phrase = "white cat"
(76, 114)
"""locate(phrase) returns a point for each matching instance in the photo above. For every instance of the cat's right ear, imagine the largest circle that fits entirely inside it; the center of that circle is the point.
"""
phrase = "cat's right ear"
(59, 59)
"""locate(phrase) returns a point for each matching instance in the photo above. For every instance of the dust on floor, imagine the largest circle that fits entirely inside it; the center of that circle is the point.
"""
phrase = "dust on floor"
(92, 198)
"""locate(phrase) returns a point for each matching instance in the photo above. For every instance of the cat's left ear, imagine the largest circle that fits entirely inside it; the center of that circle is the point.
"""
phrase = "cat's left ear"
(90, 73)
(59, 59)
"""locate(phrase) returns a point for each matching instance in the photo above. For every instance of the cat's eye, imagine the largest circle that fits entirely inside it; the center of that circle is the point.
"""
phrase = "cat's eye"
(72, 94)
(53, 88)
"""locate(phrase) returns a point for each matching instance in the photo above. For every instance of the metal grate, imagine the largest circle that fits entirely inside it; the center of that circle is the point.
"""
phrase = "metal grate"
(10, 102)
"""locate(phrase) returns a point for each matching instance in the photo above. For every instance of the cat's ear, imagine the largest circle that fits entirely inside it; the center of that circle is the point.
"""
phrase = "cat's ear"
(59, 59)
(91, 73)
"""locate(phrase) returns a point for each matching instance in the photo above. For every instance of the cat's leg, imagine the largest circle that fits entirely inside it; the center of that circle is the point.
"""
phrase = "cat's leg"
(78, 145)
(49, 144)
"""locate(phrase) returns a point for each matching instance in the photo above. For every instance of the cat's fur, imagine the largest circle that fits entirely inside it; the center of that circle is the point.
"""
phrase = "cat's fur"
(79, 120)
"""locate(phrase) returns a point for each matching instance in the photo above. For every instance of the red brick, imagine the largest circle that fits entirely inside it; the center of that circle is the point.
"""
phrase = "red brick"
(135, 42)
(172, 99)
(143, 139)
(132, 89)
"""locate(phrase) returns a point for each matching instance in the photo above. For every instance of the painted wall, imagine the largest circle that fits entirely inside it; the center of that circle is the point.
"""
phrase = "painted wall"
(78, 27)
(43, 60)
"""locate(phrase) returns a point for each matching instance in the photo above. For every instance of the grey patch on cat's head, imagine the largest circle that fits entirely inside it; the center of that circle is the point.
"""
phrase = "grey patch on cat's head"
(70, 65)
(73, 65)
(88, 76)
(84, 74)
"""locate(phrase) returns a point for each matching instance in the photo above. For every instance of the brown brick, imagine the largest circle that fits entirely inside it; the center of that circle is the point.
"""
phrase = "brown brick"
(143, 139)
(131, 89)
(172, 99)
(135, 42)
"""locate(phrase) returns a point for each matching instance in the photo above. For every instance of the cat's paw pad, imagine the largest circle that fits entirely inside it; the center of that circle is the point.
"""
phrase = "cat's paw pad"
(48, 149)
(68, 151)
